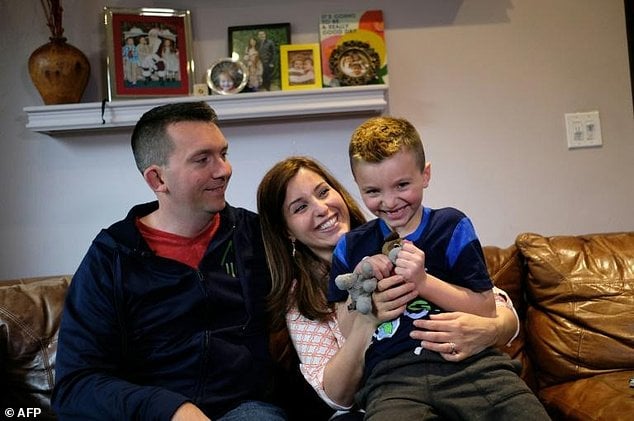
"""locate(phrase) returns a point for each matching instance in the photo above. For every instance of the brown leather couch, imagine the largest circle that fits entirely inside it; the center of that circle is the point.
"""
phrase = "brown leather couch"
(575, 298)
(574, 295)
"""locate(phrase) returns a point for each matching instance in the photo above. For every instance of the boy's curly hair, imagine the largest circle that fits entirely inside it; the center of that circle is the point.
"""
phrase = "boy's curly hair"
(379, 138)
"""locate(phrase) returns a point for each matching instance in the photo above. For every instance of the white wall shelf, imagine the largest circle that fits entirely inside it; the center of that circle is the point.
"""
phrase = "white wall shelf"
(240, 107)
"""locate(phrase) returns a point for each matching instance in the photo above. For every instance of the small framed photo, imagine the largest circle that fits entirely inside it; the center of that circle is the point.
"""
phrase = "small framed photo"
(227, 76)
(300, 66)
(258, 48)
(148, 52)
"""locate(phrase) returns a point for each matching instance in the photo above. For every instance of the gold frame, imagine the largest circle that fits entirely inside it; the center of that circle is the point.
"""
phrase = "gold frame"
(153, 74)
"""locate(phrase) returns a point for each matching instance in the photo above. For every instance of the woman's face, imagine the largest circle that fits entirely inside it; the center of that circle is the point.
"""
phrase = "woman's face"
(315, 213)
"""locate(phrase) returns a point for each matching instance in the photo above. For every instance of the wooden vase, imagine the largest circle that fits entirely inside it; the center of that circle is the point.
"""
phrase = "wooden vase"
(59, 72)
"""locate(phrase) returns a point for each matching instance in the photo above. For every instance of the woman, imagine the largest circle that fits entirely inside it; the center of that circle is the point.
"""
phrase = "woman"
(254, 65)
(304, 211)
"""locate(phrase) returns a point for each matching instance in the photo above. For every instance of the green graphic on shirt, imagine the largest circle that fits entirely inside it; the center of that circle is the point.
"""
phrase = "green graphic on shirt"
(387, 329)
(418, 309)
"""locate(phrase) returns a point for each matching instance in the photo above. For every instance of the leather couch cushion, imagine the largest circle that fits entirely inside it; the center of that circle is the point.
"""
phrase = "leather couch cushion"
(580, 291)
(601, 397)
(30, 312)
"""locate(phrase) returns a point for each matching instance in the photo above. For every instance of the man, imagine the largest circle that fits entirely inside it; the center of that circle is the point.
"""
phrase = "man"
(266, 48)
(164, 318)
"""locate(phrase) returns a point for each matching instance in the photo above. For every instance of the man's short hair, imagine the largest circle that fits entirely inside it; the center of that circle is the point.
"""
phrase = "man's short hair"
(151, 145)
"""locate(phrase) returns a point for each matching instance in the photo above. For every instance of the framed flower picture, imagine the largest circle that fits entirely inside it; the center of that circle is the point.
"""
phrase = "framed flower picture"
(301, 66)
(148, 52)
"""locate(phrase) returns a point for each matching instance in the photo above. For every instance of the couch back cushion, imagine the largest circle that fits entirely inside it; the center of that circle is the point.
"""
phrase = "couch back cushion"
(580, 294)
(30, 312)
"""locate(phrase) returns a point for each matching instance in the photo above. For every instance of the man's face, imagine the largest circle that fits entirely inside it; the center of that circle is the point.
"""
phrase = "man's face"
(262, 35)
(198, 172)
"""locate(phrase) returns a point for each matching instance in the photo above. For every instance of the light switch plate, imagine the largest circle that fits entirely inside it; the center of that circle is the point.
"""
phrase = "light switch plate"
(583, 130)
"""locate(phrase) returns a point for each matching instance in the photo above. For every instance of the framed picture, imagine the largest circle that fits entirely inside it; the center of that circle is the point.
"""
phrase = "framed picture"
(148, 52)
(258, 47)
(227, 76)
(300, 66)
(354, 63)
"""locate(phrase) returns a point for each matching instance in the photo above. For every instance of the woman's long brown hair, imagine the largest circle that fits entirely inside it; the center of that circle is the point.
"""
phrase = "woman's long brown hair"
(310, 271)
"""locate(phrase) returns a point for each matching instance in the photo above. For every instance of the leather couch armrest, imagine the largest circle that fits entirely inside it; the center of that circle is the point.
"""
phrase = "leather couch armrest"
(30, 312)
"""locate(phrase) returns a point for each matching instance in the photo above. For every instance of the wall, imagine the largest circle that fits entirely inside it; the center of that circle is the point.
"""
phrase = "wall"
(487, 82)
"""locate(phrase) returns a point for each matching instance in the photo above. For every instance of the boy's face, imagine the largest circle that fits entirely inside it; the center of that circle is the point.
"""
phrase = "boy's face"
(393, 190)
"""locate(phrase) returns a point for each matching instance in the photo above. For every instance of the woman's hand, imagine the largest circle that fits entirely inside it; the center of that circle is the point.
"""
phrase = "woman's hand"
(457, 335)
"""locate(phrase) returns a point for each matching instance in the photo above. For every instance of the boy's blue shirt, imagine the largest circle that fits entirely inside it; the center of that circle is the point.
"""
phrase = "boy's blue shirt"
(453, 253)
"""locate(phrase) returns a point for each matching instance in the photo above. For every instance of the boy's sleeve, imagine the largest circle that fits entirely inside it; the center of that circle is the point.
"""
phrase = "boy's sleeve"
(466, 258)
(339, 266)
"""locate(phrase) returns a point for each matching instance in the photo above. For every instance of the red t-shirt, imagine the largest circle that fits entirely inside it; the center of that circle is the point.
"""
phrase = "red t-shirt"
(186, 250)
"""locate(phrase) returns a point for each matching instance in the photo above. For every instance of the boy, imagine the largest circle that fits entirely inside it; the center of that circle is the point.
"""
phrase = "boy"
(442, 255)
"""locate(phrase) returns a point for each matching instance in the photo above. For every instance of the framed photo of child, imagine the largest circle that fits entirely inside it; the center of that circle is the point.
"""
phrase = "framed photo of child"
(301, 66)
(258, 47)
(227, 76)
(148, 52)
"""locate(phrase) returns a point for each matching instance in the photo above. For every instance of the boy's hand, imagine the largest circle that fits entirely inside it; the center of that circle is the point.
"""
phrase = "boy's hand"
(381, 266)
(391, 296)
(410, 264)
